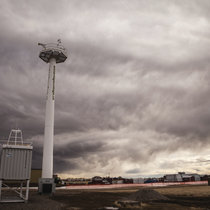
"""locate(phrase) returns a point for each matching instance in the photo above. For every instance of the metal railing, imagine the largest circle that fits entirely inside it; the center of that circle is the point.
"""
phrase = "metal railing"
(5, 142)
(53, 46)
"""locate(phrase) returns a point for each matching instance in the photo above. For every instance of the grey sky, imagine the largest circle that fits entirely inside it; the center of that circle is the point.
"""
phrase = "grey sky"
(132, 98)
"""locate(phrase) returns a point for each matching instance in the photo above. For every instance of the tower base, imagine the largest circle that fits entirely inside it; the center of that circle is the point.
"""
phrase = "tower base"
(46, 186)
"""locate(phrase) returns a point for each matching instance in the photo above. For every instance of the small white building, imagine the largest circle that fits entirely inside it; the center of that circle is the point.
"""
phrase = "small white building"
(120, 181)
(138, 181)
(181, 177)
(196, 177)
(173, 178)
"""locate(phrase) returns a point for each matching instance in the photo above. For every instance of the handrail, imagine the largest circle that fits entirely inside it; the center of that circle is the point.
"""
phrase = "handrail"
(54, 46)
(5, 142)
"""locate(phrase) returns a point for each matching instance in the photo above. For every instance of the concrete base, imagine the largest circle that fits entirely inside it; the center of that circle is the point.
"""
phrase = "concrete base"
(46, 185)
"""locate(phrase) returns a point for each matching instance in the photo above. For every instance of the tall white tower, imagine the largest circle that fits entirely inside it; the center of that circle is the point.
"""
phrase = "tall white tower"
(51, 53)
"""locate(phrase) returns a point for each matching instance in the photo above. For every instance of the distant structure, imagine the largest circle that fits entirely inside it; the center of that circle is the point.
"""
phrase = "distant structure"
(182, 177)
(51, 53)
(15, 166)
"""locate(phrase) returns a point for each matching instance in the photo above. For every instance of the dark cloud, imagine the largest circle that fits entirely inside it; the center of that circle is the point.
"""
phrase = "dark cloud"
(133, 91)
(133, 171)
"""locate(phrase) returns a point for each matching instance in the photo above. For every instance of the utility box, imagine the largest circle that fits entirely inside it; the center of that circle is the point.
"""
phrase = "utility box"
(16, 162)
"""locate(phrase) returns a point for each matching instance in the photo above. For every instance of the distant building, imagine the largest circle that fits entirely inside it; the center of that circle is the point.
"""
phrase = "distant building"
(117, 181)
(127, 181)
(173, 178)
(191, 177)
(181, 177)
(138, 180)
(196, 177)
(97, 180)
(204, 177)
(75, 181)
(187, 178)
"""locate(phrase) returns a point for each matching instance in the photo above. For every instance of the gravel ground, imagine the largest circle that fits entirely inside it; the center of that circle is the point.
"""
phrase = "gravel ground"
(146, 194)
(35, 202)
(179, 198)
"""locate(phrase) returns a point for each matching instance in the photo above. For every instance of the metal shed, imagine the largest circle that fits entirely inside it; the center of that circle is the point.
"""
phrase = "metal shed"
(16, 162)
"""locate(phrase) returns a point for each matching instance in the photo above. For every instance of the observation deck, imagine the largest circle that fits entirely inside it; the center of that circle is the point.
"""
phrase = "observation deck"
(53, 50)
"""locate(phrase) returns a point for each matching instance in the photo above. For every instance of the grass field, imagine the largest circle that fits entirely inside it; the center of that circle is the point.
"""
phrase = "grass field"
(180, 198)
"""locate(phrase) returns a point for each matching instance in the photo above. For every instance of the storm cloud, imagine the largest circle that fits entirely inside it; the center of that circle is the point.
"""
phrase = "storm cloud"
(132, 99)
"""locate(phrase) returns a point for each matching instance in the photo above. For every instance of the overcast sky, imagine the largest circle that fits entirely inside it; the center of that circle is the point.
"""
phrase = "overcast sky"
(133, 97)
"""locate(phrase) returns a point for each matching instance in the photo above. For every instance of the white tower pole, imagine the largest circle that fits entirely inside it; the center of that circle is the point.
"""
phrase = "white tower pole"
(51, 53)
(47, 162)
